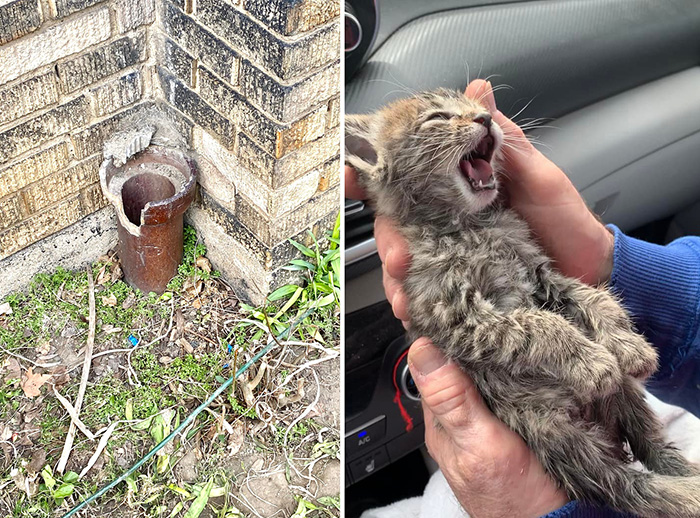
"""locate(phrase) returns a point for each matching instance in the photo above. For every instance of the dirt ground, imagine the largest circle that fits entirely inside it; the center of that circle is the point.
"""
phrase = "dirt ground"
(267, 447)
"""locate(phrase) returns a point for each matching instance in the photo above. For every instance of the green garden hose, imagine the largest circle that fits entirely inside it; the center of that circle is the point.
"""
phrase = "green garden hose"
(270, 344)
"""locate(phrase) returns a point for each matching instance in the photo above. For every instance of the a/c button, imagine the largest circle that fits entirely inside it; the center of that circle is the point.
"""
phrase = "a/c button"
(365, 437)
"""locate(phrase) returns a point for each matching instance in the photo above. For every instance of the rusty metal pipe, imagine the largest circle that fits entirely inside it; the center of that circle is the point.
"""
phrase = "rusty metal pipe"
(150, 194)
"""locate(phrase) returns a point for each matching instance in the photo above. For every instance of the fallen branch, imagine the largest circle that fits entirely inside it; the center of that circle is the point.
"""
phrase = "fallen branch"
(68, 446)
(73, 415)
(100, 447)
(36, 364)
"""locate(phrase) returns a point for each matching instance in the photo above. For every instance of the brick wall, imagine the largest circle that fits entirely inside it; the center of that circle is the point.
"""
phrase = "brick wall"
(255, 82)
(66, 68)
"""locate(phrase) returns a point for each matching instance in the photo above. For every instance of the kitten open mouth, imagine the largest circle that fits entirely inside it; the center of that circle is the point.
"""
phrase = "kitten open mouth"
(476, 166)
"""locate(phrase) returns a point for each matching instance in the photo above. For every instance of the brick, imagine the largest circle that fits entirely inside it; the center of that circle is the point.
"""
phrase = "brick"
(134, 13)
(62, 8)
(10, 211)
(217, 93)
(201, 43)
(117, 94)
(92, 199)
(191, 104)
(27, 97)
(280, 172)
(90, 140)
(286, 59)
(21, 174)
(17, 18)
(272, 230)
(333, 113)
(179, 62)
(41, 225)
(61, 40)
(271, 257)
(62, 184)
(213, 180)
(301, 132)
(288, 102)
(330, 174)
(102, 62)
(293, 16)
(31, 134)
(274, 137)
(271, 202)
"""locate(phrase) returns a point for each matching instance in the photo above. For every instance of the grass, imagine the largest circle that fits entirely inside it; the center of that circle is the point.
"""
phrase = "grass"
(54, 310)
(318, 287)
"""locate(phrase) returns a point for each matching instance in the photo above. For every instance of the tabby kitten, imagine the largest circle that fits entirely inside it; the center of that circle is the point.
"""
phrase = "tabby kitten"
(556, 360)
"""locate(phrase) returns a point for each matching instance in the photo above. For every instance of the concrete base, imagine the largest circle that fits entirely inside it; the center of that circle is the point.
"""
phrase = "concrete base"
(72, 248)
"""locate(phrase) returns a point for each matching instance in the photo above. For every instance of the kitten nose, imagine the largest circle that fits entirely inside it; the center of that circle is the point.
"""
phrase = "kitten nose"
(484, 119)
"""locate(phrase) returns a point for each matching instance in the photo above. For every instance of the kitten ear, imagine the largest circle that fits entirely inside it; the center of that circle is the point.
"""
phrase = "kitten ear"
(360, 152)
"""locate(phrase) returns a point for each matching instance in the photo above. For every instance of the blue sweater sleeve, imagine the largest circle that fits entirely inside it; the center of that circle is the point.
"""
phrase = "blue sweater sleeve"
(660, 287)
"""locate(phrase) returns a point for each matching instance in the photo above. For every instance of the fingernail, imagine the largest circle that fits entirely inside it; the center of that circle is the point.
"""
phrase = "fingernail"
(426, 359)
(389, 251)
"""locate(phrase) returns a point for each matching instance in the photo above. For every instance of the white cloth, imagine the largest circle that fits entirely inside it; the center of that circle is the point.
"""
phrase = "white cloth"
(682, 429)
(438, 500)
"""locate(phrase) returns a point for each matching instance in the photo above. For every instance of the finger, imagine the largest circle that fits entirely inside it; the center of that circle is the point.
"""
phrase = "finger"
(352, 187)
(482, 91)
(400, 305)
(519, 156)
(392, 248)
(436, 440)
(395, 295)
(447, 392)
(391, 285)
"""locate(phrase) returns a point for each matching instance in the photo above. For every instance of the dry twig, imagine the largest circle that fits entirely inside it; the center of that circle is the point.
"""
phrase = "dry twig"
(68, 446)
(73, 415)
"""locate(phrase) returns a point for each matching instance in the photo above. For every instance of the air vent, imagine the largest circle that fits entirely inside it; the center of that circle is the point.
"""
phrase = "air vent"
(359, 223)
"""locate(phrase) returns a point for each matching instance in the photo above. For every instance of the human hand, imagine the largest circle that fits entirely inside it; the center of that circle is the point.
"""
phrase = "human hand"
(538, 190)
(490, 469)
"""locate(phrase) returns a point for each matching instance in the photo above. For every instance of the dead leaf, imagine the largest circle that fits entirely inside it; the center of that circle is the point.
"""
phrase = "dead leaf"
(31, 382)
(5, 309)
(37, 462)
(109, 329)
(235, 439)
(5, 432)
(203, 263)
(179, 322)
(44, 347)
(12, 369)
(117, 272)
(110, 300)
(186, 346)
(104, 276)
(196, 304)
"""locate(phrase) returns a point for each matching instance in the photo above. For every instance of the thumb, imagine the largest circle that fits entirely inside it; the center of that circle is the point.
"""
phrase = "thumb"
(446, 392)
(482, 91)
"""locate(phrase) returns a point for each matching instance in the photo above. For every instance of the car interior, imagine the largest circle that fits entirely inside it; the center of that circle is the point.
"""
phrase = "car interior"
(611, 90)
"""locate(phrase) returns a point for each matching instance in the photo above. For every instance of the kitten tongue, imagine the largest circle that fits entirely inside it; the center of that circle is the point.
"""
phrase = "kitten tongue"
(477, 169)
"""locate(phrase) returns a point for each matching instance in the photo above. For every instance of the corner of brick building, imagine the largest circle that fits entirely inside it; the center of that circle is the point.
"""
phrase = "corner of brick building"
(254, 86)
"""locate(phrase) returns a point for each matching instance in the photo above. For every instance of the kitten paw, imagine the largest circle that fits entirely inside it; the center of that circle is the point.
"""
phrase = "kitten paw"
(636, 357)
(599, 376)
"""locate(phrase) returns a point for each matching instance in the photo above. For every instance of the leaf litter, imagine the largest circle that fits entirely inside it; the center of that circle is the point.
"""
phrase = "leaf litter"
(252, 452)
